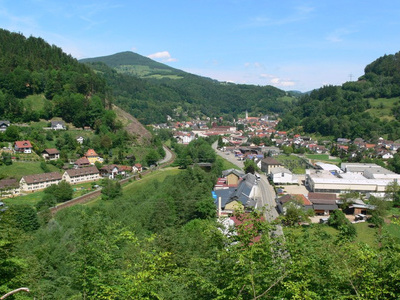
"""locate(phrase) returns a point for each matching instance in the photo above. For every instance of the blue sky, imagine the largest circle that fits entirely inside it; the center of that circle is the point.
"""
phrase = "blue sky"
(293, 45)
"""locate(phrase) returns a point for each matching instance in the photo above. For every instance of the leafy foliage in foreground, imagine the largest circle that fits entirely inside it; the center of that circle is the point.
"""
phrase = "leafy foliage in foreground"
(162, 242)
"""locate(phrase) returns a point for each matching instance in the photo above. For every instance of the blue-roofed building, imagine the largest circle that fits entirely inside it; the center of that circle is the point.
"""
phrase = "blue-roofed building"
(240, 197)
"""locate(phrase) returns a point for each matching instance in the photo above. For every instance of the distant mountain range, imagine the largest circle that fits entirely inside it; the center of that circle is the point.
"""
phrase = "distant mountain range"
(151, 91)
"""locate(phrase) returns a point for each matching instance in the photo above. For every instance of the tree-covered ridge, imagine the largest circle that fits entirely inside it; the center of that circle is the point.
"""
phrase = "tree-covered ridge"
(152, 98)
(72, 90)
(346, 111)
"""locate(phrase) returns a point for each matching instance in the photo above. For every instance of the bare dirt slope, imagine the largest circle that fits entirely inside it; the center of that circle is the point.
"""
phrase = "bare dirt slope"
(132, 125)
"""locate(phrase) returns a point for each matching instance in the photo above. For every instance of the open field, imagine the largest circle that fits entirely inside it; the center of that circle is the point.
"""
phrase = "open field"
(33, 198)
(323, 158)
(227, 164)
(158, 175)
(35, 102)
(135, 185)
(382, 108)
(365, 234)
(19, 169)
(293, 163)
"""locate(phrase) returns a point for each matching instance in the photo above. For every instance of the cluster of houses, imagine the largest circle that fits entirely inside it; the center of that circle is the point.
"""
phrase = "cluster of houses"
(235, 191)
(264, 127)
(184, 132)
(84, 170)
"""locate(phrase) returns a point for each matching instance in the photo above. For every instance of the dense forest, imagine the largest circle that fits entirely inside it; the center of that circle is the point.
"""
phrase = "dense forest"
(368, 108)
(166, 91)
(73, 91)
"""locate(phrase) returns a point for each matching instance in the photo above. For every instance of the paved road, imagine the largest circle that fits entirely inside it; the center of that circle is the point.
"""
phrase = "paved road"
(265, 194)
(168, 156)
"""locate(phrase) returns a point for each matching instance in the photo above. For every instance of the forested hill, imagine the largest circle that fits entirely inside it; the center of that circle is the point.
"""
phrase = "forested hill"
(132, 63)
(151, 91)
(367, 108)
(67, 88)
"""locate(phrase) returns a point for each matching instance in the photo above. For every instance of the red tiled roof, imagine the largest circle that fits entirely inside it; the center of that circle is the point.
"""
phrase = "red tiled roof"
(302, 198)
(23, 144)
(91, 152)
(82, 161)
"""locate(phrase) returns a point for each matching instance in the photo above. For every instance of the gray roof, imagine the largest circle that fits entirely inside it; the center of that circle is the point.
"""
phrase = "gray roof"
(8, 183)
(37, 178)
(82, 171)
(234, 171)
(270, 161)
(278, 170)
(241, 193)
(325, 206)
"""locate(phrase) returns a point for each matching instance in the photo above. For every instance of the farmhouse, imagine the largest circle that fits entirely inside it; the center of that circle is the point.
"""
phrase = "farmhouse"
(58, 125)
(4, 125)
(23, 147)
(51, 154)
(92, 156)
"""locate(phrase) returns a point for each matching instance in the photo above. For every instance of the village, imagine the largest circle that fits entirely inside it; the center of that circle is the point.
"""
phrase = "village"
(300, 169)
(90, 167)
(296, 176)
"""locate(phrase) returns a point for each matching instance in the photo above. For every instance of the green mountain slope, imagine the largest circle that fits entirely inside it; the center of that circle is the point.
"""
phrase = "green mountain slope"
(367, 108)
(134, 64)
(151, 91)
(40, 81)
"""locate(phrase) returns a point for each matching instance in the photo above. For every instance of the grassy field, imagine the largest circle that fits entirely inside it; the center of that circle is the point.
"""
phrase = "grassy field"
(382, 108)
(35, 102)
(365, 234)
(33, 198)
(293, 163)
(146, 72)
(159, 175)
(227, 164)
(135, 185)
(323, 157)
(19, 169)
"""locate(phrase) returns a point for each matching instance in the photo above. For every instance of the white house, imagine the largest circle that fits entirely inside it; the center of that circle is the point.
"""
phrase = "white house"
(281, 175)
(4, 125)
(30, 183)
(74, 176)
(58, 125)
(184, 137)
(23, 147)
(80, 139)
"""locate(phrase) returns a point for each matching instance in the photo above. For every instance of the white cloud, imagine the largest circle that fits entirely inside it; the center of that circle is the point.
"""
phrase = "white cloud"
(278, 82)
(256, 65)
(164, 56)
(338, 35)
(266, 76)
